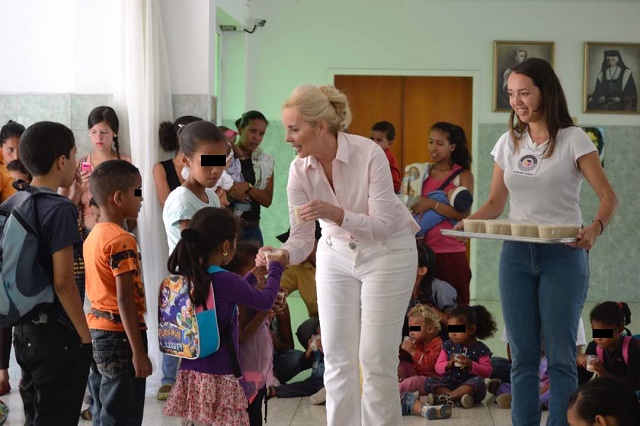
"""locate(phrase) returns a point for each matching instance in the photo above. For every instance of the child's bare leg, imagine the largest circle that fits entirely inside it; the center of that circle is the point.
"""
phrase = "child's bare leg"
(459, 391)
(442, 391)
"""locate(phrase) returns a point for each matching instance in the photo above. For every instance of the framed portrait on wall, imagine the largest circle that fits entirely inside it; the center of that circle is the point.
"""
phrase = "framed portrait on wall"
(506, 54)
(609, 71)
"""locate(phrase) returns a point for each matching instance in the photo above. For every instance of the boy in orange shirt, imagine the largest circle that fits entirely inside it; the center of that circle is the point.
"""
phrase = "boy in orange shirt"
(115, 290)
(383, 133)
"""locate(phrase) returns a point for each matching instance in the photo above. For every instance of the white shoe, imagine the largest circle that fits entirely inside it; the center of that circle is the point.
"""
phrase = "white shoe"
(319, 397)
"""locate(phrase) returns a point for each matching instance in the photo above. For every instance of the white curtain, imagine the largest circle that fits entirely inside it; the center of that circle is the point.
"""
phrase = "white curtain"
(142, 97)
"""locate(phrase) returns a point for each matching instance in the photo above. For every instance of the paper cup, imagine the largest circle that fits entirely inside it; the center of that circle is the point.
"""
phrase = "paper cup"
(492, 226)
(519, 229)
(269, 255)
(558, 231)
(548, 231)
(505, 228)
(532, 231)
(457, 361)
(592, 361)
(568, 231)
(296, 215)
(470, 225)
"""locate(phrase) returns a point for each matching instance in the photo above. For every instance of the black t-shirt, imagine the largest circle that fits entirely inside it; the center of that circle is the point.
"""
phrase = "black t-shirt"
(613, 362)
(250, 176)
(59, 224)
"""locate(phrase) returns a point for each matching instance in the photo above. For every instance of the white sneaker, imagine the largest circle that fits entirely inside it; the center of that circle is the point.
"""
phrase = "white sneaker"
(319, 397)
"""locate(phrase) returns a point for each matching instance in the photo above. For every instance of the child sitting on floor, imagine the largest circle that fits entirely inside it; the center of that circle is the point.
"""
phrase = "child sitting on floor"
(313, 383)
(423, 345)
(611, 354)
(464, 362)
(503, 393)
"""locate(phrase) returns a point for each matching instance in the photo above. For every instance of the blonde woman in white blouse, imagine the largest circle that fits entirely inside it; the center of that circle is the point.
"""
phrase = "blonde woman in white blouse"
(366, 258)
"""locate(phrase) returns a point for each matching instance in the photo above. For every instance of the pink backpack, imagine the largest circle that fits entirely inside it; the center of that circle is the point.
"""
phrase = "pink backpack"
(626, 340)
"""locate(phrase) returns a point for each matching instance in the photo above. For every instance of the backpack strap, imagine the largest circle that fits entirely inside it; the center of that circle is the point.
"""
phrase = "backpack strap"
(626, 341)
(600, 354)
(451, 177)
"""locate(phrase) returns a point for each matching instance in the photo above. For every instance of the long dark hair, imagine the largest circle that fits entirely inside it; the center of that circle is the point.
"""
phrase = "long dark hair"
(606, 396)
(168, 132)
(426, 258)
(554, 103)
(476, 315)
(107, 115)
(460, 154)
(208, 229)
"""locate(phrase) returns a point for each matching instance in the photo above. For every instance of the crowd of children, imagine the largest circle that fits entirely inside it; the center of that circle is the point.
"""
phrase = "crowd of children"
(441, 355)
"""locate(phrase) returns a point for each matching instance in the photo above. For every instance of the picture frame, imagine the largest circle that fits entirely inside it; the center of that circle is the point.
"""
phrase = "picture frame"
(508, 53)
(609, 85)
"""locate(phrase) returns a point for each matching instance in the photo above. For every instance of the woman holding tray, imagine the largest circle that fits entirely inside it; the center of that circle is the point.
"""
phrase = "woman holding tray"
(539, 164)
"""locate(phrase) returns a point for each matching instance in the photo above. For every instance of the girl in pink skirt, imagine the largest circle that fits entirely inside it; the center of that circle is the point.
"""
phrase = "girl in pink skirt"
(207, 392)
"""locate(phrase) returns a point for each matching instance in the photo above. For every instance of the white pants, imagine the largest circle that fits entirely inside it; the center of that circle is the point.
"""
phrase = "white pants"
(363, 294)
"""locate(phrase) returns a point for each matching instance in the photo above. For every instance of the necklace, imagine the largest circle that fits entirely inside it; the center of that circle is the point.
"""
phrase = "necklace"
(615, 353)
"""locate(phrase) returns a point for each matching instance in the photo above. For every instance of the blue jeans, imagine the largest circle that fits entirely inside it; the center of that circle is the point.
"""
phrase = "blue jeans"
(542, 291)
(118, 396)
(252, 233)
(169, 369)
(286, 364)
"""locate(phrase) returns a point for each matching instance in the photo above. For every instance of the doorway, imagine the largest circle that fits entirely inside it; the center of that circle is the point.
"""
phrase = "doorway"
(412, 104)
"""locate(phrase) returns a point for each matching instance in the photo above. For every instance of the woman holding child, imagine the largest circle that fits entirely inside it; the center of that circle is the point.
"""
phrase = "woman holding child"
(543, 286)
(257, 170)
(451, 162)
(366, 259)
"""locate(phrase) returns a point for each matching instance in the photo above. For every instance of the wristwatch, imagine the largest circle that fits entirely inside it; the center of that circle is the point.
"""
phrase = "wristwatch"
(250, 187)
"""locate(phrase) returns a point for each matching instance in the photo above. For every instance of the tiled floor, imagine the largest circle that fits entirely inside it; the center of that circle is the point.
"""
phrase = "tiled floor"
(296, 412)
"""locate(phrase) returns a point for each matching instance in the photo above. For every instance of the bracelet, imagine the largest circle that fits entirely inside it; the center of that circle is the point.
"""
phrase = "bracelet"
(436, 207)
(601, 225)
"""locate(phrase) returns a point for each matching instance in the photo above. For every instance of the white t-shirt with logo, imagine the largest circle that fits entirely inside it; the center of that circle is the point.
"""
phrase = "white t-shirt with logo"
(544, 190)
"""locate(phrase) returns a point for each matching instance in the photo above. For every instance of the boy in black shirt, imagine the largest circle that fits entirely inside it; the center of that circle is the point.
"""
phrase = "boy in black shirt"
(54, 352)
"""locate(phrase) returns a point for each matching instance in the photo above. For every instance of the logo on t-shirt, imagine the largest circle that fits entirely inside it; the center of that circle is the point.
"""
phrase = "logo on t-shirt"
(527, 162)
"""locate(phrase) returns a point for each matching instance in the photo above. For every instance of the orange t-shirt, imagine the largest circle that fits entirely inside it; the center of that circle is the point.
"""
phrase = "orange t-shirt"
(6, 187)
(110, 251)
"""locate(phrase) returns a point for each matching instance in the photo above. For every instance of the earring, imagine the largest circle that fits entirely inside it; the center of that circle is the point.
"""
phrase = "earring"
(185, 172)
(224, 253)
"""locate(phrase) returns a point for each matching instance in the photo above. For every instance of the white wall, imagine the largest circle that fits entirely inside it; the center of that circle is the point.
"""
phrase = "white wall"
(186, 30)
(37, 45)
(304, 39)
(68, 46)
(94, 62)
